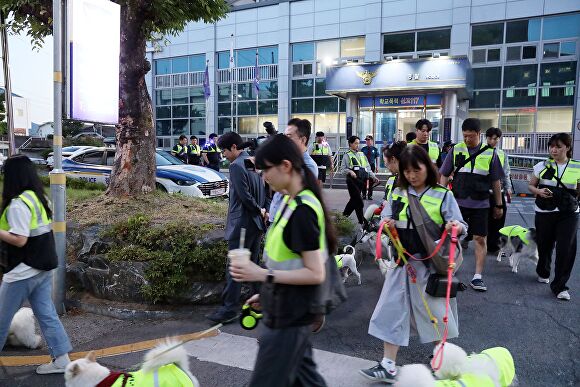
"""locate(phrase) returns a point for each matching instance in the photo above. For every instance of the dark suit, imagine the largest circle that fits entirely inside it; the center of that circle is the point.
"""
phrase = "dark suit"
(247, 198)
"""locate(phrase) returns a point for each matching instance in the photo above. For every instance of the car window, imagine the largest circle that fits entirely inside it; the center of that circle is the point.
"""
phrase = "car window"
(164, 158)
(93, 158)
(110, 157)
(70, 149)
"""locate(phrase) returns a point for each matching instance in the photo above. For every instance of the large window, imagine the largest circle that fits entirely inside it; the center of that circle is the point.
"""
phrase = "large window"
(393, 43)
(559, 27)
(487, 34)
(485, 99)
(487, 78)
(517, 121)
(523, 31)
(182, 64)
(520, 76)
(555, 120)
(352, 47)
(421, 42)
(560, 73)
(434, 40)
(180, 111)
(302, 52)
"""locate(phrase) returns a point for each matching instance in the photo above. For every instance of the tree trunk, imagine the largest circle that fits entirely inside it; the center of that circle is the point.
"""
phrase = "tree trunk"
(134, 168)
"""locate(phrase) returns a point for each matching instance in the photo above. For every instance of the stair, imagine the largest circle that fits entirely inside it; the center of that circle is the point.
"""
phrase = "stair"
(339, 182)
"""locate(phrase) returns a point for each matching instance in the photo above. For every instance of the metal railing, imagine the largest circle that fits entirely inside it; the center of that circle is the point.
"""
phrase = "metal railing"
(179, 80)
(246, 74)
(524, 143)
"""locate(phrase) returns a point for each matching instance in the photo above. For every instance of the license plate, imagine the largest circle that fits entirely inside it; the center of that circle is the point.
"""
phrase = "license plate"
(218, 191)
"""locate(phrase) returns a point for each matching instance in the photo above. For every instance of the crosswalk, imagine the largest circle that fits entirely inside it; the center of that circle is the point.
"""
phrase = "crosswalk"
(338, 370)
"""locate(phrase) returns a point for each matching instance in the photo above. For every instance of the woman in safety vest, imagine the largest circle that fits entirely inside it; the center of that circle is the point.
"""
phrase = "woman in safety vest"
(391, 155)
(400, 305)
(297, 246)
(555, 184)
(26, 235)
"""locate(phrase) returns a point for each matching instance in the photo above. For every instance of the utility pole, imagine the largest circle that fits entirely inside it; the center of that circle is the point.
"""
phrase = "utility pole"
(7, 86)
(57, 175)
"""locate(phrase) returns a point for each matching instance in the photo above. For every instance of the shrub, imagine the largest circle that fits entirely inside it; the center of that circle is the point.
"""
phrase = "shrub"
(344, 226)
(76, 184)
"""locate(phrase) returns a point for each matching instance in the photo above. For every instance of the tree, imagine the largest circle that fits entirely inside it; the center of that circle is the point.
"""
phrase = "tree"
(71, 127)
(134, 167)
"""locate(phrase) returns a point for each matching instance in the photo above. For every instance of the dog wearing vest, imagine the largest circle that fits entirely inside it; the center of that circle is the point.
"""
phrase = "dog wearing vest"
(165, 366)
(347, 264)
(517, 243)
(22, 331)
(493, 367)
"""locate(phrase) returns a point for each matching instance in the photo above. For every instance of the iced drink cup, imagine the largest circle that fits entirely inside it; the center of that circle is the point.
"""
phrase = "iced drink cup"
(239, 256)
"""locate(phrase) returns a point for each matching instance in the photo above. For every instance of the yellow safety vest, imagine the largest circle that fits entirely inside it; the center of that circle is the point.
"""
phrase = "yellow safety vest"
(323, 149)
(472, 180)
(431, 200)
(570, 177)
(434, 150)
(360, 158)
(39, 222)
(390, 185)
(168, 375)
(195, 149)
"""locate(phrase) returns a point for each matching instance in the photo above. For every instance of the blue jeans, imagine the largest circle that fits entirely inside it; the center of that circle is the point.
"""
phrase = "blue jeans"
(37, 290)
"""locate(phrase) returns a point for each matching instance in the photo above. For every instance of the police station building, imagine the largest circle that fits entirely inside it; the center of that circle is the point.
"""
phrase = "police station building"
(374, 67)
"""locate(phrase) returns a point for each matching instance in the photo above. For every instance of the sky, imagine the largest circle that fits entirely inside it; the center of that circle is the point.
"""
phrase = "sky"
(31, 74)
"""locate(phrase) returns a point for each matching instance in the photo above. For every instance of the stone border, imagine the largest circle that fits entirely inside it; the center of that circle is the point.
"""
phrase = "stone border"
(127, 314)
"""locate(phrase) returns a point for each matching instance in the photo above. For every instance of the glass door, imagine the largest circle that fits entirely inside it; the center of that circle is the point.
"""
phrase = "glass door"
(434, 115)
(385, 130)
(406, 120)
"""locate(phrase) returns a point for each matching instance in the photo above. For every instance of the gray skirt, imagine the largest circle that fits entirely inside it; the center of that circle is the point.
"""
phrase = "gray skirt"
(400, 311)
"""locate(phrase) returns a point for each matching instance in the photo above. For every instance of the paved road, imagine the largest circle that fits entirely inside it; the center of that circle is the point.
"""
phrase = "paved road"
(542, 333)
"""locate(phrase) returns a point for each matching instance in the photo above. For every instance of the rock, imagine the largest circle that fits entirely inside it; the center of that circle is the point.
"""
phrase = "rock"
(74, 241)
(93, 243)
(76, 275)
(116, 281)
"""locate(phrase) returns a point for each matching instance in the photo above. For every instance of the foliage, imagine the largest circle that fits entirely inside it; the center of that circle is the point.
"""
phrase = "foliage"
(83, 140)
(344, 226)
(175, 255)
(3, 125)
(71, 127)
(76, 184)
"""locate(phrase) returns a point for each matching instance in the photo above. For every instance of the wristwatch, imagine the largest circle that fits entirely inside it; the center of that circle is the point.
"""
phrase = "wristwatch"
(500, 206)
(270, 276)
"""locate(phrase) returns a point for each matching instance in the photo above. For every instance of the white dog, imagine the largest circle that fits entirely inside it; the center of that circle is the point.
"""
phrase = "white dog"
(517, 242)
(492, 367)
(22, 330)
(348, 263)
(166, 364)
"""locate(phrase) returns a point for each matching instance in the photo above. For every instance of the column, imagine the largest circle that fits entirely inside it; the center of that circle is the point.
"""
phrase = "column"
(450, 113)
(284, 59)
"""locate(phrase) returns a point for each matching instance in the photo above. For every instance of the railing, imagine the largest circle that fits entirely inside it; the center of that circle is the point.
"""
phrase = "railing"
(247, 74)
(179, 80)
(524, 143)
(26, 143)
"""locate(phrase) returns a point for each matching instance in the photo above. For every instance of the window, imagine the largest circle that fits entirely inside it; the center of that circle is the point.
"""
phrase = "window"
(514, 53)
(224, 109)
(93, 158)
(523, 31)
(559, 27)
(484, 99)
(556, 96)
(246, 91)
(268, 107)
(224, 125)
(180, 127)
(267, 55)
(163, 112)
(302, 105)
(520, 76)
(529, 52)
(162, 66)
(488, 118)
(268, 90)
(555, 120)
(245, 58)
(163, 97)
(487, 77)
(352, 47)
(302, 52)
(551, 50)
(486, 34)
(301, 69)
(327, 50)
(197, 63)
(493, 54)
(198, 126)
(404, 42)
(180, 96)
(223, 60)
(247, 108)
(224, 93)
(302, 88)
(517, 121)
(247, 125)
(179, 65)
(180, 111)
(434, 40)
(326, 104)
(519, 97)
(197, 110)
(320, 87)
(567, 49)
(163, 127)
(479, 56)
(562, 73)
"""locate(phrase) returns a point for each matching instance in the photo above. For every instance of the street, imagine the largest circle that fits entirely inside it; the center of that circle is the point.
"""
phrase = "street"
(517, 312)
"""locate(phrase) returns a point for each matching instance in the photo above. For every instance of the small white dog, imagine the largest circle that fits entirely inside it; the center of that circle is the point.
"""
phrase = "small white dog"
(517, 243)
(22, 332)
(165, 364)
(348, 263)
(492, 367)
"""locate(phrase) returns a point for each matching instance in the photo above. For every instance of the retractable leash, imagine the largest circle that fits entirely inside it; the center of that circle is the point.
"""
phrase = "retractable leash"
(438, 357)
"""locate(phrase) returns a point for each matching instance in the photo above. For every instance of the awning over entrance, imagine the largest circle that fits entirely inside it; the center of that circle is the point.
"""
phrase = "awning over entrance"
(412, 75)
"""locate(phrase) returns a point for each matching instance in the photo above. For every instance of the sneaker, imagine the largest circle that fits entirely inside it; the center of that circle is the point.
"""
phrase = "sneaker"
(564, 295)
(543, 280)
(222, 316)
(378, 373)
(478, 285)
(50, 368)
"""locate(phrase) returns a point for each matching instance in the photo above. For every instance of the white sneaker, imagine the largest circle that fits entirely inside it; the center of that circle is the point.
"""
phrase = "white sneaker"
(50, 368)
(564, 295)
(543, 280)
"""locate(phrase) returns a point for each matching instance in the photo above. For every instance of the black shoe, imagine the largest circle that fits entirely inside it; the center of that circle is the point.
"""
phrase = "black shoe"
(378, 373)
(364, 197)
(479, 285)
(222, 316)
(370, 198)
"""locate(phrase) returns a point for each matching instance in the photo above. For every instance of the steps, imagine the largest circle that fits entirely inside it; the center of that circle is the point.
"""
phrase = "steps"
(339, 182)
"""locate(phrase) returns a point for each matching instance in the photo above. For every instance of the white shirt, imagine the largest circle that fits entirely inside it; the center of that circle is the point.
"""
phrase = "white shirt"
(19, 217)
(538, 168)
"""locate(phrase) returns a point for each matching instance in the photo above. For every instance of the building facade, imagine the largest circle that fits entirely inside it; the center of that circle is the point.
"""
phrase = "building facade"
(374, 67)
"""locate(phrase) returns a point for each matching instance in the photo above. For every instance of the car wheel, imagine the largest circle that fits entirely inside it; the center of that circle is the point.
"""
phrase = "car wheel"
(160, 187)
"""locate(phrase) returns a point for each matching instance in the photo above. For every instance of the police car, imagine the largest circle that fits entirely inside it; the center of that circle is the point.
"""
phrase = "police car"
(172, 175)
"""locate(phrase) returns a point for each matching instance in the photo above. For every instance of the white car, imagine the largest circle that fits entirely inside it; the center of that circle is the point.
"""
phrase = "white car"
(66, 152)
(173, 176)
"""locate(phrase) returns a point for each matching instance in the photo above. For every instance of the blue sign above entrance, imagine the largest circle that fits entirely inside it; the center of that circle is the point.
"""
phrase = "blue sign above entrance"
(400, 101)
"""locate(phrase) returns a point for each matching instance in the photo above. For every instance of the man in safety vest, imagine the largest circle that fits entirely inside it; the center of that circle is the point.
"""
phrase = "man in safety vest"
(322, 155)
(492, 136)
(212, 154)
(476, 170)
(194, 151)
(180, 149)
(422, 129)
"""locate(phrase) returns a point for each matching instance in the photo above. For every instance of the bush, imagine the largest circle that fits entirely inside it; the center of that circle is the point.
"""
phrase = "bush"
(76, 184)
(344, 226)
(176, 257)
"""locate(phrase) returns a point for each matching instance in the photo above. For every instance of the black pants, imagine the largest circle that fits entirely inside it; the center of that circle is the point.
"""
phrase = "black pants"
(559, 228)
(355, 203)
(493, 225)
(322, 174)
(285, 359)
(232, 290)
(367, 189)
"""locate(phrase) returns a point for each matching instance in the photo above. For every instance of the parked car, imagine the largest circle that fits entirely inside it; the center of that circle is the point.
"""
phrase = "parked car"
(95, 165)
(66, 152)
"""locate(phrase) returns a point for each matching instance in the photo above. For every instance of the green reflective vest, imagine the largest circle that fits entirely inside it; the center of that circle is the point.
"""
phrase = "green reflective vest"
(194, 149)
(431, 200)
(473, 179)
(39, 222)
(323, 149)
(391, 181)
(501, 155)
(515, 231)
(277, 254)
(168, 375)
(212, 148)
(178, 148)
(570, 177)
(434, 150)
(357, 159)
(338, 259)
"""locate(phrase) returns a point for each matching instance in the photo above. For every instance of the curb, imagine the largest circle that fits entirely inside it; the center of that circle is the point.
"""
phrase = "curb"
(127, 314)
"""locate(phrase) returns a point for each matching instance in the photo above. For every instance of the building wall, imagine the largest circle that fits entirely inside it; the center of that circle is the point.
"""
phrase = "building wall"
(286, 23)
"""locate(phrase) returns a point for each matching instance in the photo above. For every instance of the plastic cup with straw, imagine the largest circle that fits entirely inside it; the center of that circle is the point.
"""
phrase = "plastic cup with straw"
(241, 255)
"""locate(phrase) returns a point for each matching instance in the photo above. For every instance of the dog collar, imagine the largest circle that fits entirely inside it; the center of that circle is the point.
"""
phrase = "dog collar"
(112, 378)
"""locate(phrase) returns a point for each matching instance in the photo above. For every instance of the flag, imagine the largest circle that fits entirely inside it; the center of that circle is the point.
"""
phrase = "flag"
(232, 61)
(206, 89)
(257, 74)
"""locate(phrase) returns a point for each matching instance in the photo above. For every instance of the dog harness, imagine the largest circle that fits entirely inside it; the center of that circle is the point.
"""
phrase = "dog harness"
(169, 375)
(338, 259)
(516, 231)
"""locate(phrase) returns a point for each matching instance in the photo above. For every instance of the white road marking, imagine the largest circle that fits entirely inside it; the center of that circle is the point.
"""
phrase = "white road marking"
(240, 351)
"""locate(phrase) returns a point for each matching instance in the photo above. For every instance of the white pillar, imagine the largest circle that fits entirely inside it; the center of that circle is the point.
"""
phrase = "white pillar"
(450, 112)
